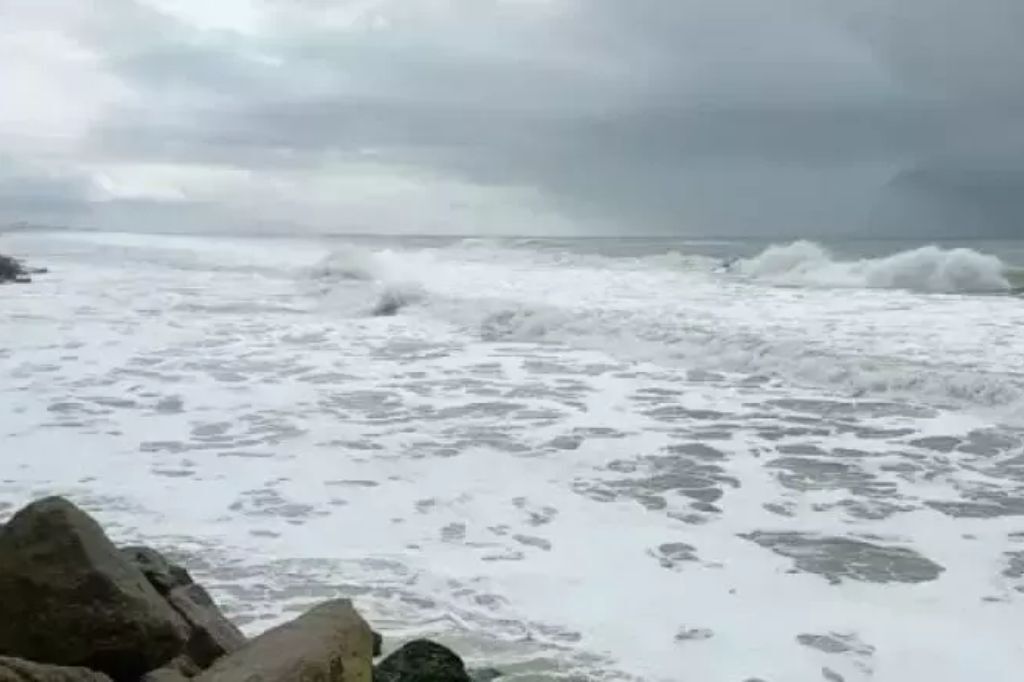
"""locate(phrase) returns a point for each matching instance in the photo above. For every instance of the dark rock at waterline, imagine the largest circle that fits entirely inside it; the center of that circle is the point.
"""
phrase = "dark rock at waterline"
(421, 661)
(18, 670)
(76, 609)
(69, 597)
(211, 634)
(13, 270)
(10, 269)
(332, 642)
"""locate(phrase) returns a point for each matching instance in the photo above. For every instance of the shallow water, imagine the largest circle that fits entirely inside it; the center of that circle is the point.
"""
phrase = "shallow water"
(570, 463)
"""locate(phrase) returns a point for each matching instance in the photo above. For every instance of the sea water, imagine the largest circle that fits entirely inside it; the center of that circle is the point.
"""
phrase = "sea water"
(703, 460)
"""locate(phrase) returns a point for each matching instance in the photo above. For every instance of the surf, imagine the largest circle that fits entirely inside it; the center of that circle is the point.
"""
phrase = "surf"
(928, 269)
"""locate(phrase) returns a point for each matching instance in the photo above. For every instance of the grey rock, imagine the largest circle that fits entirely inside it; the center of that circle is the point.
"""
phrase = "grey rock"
(70, 598)
(10, 269)
(331, 643)
(17, 670)
(164, 675)
(184, 665)
(422, 661)
(211, 634)
(161, 573)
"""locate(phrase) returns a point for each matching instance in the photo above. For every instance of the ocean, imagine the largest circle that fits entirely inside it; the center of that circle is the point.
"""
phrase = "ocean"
(592, 459)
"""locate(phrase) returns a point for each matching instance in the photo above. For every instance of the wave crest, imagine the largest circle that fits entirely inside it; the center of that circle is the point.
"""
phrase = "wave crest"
(929, 269)
(350, 264)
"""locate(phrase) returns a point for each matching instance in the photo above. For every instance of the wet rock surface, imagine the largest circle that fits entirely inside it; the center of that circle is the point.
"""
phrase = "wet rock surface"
(77, 609)
(330, 642)
(421, 661)
(13, 270)
(18, 670)
(211, 634)
(70, 598)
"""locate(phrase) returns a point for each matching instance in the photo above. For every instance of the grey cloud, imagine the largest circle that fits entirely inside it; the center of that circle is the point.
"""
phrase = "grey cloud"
(731, 116)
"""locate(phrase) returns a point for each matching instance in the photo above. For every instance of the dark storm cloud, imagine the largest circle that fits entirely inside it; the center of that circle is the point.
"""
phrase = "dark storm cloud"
(668, 115)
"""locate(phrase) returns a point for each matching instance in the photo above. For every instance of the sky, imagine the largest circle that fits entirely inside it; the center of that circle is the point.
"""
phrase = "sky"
(597, 117)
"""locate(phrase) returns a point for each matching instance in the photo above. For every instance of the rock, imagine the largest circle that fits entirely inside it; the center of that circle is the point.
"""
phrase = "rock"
(161, 573)
(378, 643)
(331, 643)
(10, 269)
(164, 675)
(211, 634)
(421, 661)
(70, 598)
(17, 670)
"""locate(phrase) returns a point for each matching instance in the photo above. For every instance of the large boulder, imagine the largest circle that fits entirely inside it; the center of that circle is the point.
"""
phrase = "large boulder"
(421, 661)
(70, 598)
(331, 643)
(18, 670)
(211, 634)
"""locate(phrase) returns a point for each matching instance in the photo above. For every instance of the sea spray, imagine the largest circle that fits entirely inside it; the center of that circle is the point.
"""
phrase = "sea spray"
(929, 269)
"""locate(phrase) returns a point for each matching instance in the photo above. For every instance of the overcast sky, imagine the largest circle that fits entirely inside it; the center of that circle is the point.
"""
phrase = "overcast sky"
(731, 117)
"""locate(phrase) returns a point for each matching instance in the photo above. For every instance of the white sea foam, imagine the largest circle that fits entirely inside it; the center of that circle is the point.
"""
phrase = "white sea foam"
(928, 269)
(560, 465)
(351, 263)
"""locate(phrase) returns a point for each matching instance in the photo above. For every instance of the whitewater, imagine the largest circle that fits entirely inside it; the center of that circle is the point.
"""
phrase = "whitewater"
(569, 459)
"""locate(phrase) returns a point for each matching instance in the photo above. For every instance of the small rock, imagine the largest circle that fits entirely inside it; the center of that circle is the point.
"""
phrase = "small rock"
(331, 642)
(70, 598)
(378, 643)
(17, 670)
(422, 661)
(10, 269)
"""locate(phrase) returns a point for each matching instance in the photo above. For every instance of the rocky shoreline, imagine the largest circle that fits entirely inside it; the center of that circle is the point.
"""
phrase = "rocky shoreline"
(13, 270)
(76, 608)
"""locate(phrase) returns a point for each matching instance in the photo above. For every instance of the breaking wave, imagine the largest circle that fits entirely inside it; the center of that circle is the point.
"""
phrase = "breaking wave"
(350, 264)
(929, 269)
(760, 358)
(395, 297)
